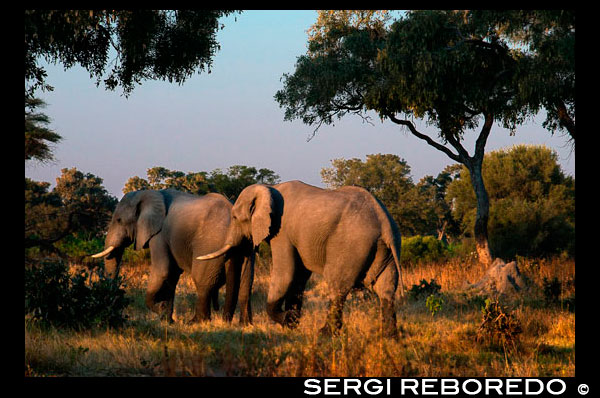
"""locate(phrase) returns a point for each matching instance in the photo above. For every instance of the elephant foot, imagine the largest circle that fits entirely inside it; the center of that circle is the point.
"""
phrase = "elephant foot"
(245, 320)
(291, 319)
(197, 319)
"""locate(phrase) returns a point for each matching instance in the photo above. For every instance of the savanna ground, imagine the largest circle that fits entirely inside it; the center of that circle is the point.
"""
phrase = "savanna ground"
(444, 344)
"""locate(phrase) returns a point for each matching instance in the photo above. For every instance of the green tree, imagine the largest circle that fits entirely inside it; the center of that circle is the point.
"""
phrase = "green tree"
(148, 44)
(456, 72)
(532, 202)
(79, 204)
(37, 136)
(229, 183)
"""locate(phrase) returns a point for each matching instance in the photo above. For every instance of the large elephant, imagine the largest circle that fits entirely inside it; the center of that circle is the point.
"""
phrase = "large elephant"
(177, 227)
(346, 235)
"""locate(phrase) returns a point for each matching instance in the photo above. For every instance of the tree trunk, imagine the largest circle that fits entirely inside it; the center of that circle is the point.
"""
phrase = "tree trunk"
(483, 213)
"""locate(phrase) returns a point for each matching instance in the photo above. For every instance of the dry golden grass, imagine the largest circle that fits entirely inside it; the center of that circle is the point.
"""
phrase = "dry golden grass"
(440, 345)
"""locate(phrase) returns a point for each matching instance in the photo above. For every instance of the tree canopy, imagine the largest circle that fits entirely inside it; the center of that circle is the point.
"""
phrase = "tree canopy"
(457, 70)
(229, 183)
(147, 44)
(78, 204)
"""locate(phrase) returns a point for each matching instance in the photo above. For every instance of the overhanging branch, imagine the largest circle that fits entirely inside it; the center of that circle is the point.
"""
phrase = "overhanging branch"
(426, 138)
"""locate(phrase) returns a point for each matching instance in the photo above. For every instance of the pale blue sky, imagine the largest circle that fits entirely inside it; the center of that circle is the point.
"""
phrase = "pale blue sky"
(230, 117)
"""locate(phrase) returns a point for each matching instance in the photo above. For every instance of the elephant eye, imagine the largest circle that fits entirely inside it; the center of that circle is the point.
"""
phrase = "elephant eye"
(119, 220)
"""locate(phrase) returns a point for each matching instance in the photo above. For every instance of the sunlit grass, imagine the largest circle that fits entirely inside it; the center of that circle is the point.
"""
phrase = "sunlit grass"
(440, 345)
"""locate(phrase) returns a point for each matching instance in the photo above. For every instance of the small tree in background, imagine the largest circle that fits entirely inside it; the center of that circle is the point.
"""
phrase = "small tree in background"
(78, 204)
(532, 202)
(229, 183)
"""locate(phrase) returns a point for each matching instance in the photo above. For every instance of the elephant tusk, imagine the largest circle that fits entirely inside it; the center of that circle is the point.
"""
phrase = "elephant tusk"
(104, 253)
(218, 253)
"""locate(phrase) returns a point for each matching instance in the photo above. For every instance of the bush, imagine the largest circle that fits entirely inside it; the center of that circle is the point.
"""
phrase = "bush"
(498, 326)
(423, 290)
(434, 303)
(423, 249)
(552, 289)
(54, 296)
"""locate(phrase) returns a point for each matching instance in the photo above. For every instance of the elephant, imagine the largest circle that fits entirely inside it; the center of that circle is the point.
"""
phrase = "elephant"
(177, 227)
(346, 235)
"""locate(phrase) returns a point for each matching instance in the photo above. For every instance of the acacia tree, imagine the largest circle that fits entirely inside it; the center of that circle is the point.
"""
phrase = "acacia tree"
(456, 72)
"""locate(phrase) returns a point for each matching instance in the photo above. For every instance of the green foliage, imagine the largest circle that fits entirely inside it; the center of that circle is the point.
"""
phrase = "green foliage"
(423, 249)
(498, 326)
(423, 290)
(229, 183)
(449, 67)
(76, 247)
(434, 303)
(56, 297)
(149, 44)
(78, 204)
(532, 202)
(38, 137)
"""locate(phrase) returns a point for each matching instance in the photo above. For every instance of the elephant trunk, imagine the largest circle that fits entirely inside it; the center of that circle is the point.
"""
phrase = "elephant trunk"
(116, 242)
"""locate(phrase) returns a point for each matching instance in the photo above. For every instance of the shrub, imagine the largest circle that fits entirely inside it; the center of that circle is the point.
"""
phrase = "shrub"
(434, 303)
(423, 290)
(552, 290)
(498, 326)
(423, 249)
(54, 296)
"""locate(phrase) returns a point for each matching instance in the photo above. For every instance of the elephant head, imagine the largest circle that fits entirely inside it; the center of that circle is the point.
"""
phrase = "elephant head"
(254, 217)
(138, 217)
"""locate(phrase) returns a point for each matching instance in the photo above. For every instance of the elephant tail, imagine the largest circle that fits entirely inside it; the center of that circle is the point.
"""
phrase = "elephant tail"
(394, 243)
(391, 237)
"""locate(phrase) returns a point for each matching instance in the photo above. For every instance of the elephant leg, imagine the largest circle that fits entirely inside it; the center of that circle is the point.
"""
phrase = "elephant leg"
(385, 288)
(282, 279)
(206, 278)
(214, 297)
(333, 323)
(164, 275)
(295, 295)
(233, 270)
(245, 292)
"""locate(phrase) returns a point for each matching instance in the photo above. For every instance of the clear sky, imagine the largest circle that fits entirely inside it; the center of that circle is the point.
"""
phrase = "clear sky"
(230, 117)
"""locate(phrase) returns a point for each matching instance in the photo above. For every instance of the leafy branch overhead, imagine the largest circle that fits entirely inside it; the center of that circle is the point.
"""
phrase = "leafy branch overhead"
(121, 47)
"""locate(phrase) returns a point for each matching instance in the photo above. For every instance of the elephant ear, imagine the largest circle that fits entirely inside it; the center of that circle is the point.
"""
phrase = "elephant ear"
(261, 208)
(151, 214)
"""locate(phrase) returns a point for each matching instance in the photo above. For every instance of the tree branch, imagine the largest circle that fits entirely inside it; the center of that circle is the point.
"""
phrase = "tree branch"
(424, 137)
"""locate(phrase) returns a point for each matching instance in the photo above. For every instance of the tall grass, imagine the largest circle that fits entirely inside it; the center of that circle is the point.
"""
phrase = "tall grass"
(441, 345)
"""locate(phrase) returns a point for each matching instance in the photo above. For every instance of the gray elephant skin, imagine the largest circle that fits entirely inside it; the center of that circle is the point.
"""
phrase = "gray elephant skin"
(346, 235)
(177, 227)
